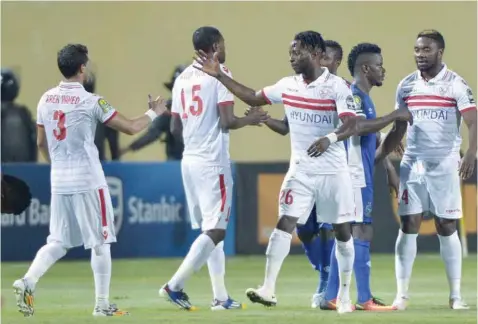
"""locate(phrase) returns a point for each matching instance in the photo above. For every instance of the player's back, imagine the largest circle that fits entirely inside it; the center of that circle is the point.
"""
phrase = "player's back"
(436, 106)
(196, 99)
(69, 115)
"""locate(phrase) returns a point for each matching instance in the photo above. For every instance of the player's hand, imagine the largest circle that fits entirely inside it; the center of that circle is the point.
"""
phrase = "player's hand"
(257, 115)
(467, 165)
(159, 105)
(259, 109)
(399, 151)
(207, 65)
(404, 114)
(318, 147)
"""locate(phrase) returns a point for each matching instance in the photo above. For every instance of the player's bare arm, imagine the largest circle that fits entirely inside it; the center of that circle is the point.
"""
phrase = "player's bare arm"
(345, 130)
(393, 179)
(467, 165)
(133, 126)
(42, 143)
(212, 67)
(276, 125)
(228, 120)
(367, 126)
(391, 141)
(176, 127)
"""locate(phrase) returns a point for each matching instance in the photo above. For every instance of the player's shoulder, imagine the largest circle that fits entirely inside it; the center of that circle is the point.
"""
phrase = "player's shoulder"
(454, 79)
(336, 80)
(410, 78)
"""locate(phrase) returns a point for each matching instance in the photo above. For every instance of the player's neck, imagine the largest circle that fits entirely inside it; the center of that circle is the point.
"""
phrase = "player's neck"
(74, 79)
(433, 72)
(363, 84)
(313, 74)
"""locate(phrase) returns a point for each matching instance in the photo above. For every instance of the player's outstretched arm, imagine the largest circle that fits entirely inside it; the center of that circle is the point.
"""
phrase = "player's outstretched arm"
(42, 143)
(213, 68)
(228, 120)
(278, 126)
(367, 126)
(138, 124)
(391, 141)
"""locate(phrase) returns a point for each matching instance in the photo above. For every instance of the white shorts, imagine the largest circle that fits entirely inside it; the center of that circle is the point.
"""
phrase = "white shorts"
(332, 193)
(430, 187)
(208, 192)
(358, 204)
(85, 218)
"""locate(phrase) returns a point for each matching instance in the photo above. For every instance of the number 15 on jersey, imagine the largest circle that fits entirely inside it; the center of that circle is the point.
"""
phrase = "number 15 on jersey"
(196, 106)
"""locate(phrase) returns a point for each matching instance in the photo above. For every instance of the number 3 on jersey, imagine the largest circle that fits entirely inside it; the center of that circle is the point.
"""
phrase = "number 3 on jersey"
(196, 108)
(60, 131)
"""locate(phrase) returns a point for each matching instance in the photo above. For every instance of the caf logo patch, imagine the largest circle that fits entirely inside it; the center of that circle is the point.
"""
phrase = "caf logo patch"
(104, 105)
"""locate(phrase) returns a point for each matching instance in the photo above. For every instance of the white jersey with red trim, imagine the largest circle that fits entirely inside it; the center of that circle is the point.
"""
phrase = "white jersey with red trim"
(436, 106)
(197, 98)
(69, 115)
(313, 110)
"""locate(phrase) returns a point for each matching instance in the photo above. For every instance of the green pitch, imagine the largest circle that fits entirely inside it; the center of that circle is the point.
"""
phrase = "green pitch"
(66, 294)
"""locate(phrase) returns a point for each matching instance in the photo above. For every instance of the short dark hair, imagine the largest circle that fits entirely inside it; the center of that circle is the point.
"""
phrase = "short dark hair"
(359, 49)
(70, 59)
(311, 39)
(434, 35)
(336, 47)
(205, 37)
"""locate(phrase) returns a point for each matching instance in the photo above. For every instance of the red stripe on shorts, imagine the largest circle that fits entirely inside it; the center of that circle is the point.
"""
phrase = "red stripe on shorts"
(222, 186)
(104, 222)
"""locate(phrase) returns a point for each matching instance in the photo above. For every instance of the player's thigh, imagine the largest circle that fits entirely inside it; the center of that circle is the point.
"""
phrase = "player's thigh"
(215, 196)
(191, 181)
(95, 215)
(335, 199)
(297, 196)
(413, 196)
(444, 189)
(64, 228)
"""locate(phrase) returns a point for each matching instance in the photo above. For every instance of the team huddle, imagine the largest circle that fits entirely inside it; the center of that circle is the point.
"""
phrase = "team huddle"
(327, 193)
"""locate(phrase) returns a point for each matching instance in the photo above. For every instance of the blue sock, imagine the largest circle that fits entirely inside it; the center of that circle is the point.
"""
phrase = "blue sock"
(313, 251)
(333, 283)
(362, 270)
(326, 250)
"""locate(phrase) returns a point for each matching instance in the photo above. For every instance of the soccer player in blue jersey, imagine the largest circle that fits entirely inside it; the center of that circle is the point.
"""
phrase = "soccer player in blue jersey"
(365, 64)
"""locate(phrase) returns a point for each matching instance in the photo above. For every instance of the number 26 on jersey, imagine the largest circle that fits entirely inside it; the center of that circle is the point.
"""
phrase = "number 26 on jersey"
(196, 106)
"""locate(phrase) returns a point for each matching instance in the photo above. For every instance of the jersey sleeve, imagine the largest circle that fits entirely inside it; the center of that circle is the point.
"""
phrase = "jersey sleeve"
(273, 93)
(359, 109)
(344, 100)
(399, 100)
(224, 96)
(463, 96)
(176, 103)
(103, 111)
(40, 121)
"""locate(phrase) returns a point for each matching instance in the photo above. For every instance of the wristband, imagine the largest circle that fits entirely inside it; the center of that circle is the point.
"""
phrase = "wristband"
(151, 114)
(332, 137)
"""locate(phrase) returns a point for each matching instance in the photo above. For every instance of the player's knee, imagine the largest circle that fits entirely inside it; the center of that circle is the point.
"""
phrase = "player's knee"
(304, 234)
(343, 232)
(445, 227)
(410, 224)
(363, 232)
(287, 224)
(217, 235)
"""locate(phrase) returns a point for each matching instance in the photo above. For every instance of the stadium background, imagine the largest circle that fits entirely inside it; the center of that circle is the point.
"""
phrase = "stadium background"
(134, 47)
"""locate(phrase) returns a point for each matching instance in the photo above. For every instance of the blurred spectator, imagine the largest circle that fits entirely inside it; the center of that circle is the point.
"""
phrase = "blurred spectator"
(18, 126)
(160, 126)
(104, 132)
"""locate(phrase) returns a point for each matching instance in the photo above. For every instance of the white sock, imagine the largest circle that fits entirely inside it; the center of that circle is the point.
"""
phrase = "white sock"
(277, 250)
(197, 256)
(450, 250)
(101, 266)
(345, 254)
(45, 258)
(217, 269)
(405, 253)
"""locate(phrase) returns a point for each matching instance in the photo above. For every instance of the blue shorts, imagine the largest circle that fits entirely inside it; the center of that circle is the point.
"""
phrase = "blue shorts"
(312, 227)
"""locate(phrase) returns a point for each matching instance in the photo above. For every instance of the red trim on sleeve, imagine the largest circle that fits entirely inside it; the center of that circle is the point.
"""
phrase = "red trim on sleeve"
(265, 97)
(347, 113)
(467, 109)
(111, 117)
(225, 103)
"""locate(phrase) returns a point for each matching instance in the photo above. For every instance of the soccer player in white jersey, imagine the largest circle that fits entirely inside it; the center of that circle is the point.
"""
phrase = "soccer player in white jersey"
(203, 111)
(430, 170)
(81, 208)
(325, 179)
